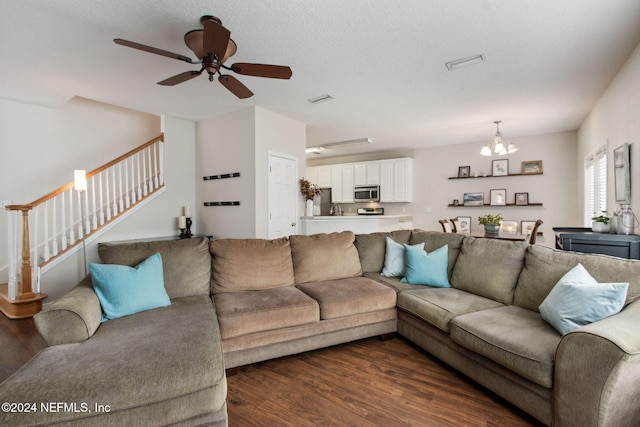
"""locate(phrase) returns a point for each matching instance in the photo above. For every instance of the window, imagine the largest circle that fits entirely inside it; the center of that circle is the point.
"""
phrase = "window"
(595, 184)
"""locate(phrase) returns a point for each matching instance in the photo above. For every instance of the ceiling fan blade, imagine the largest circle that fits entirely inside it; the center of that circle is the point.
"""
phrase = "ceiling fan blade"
(180, 78)
(262, 70)
(155, 50)
(215, 38)
(235, 86)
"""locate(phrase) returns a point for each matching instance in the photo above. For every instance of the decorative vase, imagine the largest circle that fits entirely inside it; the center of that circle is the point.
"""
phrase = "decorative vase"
(599, 227)
(491, 228)
(309, 209)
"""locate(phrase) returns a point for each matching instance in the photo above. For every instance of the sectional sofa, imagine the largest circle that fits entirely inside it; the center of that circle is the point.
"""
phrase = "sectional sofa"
(239, 301)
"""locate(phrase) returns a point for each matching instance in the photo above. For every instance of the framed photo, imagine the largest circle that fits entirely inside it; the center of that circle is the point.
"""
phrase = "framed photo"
(464, 171)
(509, 226)
(498, 197)
(531, 167)
(622, 174)
(464, 224)
(473, 199)
(527, 226)
(522, 199)
(500, 167)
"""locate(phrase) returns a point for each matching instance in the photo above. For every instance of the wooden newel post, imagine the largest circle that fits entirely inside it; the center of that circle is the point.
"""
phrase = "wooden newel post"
(27, 303)
(25, 289)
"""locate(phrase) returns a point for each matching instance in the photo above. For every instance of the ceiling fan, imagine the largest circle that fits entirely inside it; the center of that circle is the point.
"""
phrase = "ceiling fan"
(213, 46)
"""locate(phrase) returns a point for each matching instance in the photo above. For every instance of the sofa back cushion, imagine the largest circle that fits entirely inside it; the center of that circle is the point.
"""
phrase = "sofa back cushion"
(543, 267)
(372, 248)
(324, 257)
(489, 267)
(186, 263)
(433, 240)
(250, 264)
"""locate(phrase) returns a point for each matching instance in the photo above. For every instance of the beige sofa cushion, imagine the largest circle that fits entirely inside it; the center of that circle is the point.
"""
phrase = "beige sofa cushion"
(243, 313)
(373, 246)
(186, 263)
(324, 257)
(346, 297)
(516, 338)
(544, 266)
(489, 267)
(250, 264)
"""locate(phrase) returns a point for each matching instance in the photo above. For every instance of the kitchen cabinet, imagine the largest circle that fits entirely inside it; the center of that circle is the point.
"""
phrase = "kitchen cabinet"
(341, 183)
(366, 173)
(319, 175)
(396, 180)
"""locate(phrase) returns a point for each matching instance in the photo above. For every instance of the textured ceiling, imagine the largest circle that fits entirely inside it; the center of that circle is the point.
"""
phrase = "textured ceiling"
(548, 61)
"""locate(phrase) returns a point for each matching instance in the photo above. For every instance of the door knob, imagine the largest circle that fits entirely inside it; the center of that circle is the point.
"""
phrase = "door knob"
(293, 224)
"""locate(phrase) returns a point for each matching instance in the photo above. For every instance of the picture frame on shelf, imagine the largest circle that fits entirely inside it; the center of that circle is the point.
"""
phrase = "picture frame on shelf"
(531, 167)
(498, 197)
(500, 167)
(473, 199)
(527, 226)
(509, 226)
(464, 224)
(464, 171)
(521, 199)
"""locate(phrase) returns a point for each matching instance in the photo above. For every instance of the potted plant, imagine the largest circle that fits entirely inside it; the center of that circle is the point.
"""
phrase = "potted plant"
(309, 192)
(600, 223)
(491, 223)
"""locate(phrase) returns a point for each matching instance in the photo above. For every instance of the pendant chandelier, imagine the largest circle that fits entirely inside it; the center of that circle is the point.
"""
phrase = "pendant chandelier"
(497, 145)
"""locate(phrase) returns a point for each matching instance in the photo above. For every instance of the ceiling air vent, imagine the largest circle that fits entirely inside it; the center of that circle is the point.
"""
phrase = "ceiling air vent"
(319, 99)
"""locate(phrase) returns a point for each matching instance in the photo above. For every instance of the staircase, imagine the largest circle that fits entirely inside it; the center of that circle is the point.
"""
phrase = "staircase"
(47, 230)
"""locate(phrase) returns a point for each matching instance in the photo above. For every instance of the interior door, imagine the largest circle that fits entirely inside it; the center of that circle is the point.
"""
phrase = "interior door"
(283, 195)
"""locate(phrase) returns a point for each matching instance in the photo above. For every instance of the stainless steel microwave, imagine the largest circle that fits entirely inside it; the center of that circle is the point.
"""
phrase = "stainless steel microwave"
(370, 193)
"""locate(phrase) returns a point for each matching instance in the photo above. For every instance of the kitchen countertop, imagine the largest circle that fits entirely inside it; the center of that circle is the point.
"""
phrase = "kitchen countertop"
(350, 217)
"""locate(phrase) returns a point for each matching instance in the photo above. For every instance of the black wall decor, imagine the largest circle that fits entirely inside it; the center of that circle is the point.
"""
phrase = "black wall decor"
(221, 176)
(234, 203)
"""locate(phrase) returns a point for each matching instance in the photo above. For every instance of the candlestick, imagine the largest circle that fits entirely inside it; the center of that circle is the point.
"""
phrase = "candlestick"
(182, 222)
(187, 211)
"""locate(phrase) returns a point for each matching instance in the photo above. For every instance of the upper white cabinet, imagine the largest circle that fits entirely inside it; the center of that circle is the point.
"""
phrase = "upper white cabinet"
(319, 175)
(394, 176)
(396, 183)
(366, 173)
(341, 183)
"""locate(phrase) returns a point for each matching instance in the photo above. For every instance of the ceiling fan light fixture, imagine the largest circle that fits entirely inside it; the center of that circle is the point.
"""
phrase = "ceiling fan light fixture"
(194, 41)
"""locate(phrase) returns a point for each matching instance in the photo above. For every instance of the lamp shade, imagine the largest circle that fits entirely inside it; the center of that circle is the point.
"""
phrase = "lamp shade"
(80, 179)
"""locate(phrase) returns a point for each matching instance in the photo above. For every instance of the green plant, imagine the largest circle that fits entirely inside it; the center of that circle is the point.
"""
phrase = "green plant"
(490, 219)
(603, 218)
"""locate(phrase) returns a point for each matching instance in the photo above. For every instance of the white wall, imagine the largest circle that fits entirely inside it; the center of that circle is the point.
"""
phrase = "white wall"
(615, 119)
(240, 142)
(432, 190)
(84, 134)
(280, 134)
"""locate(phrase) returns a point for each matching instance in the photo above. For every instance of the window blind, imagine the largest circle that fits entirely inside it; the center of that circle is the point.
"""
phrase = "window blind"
(595, 184)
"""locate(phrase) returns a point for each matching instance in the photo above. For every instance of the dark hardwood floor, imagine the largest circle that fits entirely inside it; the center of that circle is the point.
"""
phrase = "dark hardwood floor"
(363, 383)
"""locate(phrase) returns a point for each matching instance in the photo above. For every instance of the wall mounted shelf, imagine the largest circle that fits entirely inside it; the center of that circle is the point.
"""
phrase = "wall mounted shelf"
(221, 176)
(234, 203)
(495, 176)
(508, 205)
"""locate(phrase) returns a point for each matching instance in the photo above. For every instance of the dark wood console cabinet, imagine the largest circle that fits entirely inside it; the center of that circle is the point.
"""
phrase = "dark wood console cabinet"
(586, 241)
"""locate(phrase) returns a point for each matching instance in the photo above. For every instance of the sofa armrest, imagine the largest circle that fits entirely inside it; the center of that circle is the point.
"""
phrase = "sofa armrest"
(72, 318)
(598, 371)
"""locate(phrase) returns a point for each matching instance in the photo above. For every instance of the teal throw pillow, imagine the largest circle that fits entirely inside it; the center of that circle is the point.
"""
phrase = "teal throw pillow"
(578, 299)
(394, 258)
(124, 290)
(427, 268)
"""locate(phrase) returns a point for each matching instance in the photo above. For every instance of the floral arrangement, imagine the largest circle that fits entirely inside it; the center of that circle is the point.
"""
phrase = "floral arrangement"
(309, 191)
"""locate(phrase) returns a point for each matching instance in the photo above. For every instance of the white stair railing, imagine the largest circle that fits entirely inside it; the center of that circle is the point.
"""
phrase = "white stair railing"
(56, 223)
